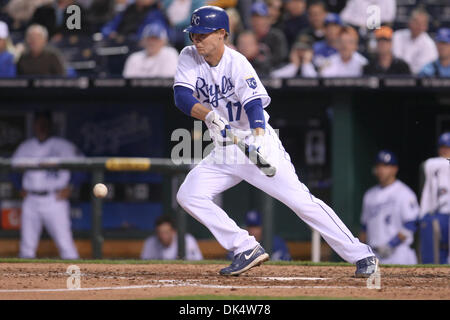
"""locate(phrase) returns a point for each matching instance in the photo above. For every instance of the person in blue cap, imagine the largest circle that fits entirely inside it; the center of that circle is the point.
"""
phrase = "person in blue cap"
(390, 213)
(327, 47)
(441, 66)
(253, 224)
(435, 205)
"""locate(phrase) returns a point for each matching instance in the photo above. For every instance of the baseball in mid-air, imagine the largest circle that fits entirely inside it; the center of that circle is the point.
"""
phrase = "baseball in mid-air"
(100, 190)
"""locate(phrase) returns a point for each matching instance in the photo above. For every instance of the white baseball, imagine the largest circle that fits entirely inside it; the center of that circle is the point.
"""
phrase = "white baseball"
(100, 190)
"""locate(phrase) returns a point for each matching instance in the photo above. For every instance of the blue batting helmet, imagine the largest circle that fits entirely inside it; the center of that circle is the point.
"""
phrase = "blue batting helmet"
(208, 19)
(444, 139)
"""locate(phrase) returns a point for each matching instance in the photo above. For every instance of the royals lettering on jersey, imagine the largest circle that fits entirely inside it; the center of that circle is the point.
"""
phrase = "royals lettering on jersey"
(225, 88)
(386, 210)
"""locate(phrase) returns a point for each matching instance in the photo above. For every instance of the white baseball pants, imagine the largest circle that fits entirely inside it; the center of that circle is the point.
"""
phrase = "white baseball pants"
(54, 215)
(225, 167)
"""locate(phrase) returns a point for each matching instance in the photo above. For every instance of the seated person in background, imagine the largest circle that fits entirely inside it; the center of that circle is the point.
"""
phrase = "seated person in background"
(385, 63)
(255, 54)
(317, 13)
(296, 19)
(254, 227)
(441, 66)
(164, 244)
(347, 62)
(156, 60)
(132, 21)
(7, 66)
(271, 38)
(390, 214)
(327, 47)
(414, 45)
(39, 59)
(300, 58)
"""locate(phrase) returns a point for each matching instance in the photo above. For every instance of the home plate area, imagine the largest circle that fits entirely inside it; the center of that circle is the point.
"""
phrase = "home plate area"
(34, 280)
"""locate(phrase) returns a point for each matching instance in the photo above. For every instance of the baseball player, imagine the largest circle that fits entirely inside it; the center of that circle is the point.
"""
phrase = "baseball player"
(435, 206)
(390, 214)
(46, 192)
(216, 84)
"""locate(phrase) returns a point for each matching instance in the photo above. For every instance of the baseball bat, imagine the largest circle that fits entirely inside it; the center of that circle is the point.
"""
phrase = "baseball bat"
(254, 156)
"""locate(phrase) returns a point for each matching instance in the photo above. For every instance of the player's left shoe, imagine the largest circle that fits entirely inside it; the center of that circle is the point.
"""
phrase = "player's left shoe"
(366, 267)
(245, 260)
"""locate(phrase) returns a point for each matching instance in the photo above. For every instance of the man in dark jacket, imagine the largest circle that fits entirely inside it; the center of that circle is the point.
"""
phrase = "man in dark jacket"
(385, 63)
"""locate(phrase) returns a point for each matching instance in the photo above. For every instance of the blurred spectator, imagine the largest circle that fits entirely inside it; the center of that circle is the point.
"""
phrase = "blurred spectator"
(385, 63)
(390, 213)
(300, 60)
(435, 205)
(53, 17)
(164, 244)
(255, 54)
(347, 62)
(156, 60)
(325, 48)
(46, 192)
(21, 11)
(100, 12)
(236, 26)
(131, 22)
(414, 45)
(355, 12)
(7, 66)
(272, 38)
(317, 13)
(179, 13)
(276, 13)
(39, 59)
(441, 66)
(296, 19)
(253, 223)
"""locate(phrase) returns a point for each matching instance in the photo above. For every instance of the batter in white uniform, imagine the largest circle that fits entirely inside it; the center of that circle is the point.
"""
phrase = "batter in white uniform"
(217, 84)
(46, 192)
(390, 214)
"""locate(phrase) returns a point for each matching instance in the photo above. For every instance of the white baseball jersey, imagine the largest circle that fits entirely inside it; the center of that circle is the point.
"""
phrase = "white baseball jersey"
(225, 88)
(45, 180)
(436, 190)
(386, 210)
(154, 250)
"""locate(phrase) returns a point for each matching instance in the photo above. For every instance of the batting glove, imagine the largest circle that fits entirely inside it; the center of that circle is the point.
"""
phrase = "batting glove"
(260, 146)
(217, 124)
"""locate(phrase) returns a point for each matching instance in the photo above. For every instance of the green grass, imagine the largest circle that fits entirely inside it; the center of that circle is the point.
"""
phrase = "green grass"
(201, 262)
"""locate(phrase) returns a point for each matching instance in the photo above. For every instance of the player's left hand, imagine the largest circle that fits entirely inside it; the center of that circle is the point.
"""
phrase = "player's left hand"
(64, 193)
(217, 124)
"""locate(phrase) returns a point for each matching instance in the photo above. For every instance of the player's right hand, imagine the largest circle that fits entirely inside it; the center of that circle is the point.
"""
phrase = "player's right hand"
(217, 124)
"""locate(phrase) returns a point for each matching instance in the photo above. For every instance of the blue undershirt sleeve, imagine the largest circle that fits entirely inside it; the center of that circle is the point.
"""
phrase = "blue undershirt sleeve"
(255, 114)
(184, 100)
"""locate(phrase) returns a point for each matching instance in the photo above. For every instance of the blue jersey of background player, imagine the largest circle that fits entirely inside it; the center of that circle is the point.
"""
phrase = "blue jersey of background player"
(253, 223)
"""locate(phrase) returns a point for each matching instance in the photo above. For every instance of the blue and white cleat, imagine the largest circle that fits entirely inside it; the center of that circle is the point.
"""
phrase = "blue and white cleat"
(245, 260)
(366, 267)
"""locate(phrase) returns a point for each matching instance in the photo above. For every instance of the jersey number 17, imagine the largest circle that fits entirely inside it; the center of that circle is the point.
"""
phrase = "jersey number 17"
(230, 111)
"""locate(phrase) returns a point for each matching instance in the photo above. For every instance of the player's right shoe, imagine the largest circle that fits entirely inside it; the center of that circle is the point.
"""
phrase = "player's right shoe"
(245, 260)
(366, 267)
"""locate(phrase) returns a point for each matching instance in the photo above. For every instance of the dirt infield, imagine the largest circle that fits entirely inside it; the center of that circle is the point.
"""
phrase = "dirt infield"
(137, 281)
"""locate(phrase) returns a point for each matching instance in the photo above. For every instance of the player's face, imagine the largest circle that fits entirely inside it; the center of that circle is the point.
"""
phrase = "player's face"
(165, 234)
(207, 44)
(255, 231)
(42, 128)
(444, 152)
(385, 173)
